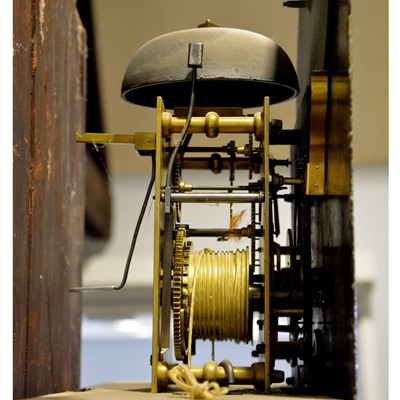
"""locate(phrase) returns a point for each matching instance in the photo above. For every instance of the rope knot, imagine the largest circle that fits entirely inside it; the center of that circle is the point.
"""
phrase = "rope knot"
(182, 376)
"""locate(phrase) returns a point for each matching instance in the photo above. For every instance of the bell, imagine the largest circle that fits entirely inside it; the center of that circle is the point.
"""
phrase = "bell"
(239, 69)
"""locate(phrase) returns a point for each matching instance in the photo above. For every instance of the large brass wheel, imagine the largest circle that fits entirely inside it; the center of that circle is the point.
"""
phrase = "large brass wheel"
(180, 293)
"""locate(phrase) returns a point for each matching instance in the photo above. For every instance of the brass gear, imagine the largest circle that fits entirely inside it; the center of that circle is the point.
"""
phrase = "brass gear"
(180, 293)
(177, 177)
(250, 155)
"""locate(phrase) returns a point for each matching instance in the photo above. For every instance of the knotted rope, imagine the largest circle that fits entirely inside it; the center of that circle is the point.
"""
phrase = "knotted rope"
(182, 376)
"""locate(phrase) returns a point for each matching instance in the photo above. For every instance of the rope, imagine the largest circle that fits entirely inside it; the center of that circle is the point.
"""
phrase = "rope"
(182, 376)
(192, 302)
(218, 295)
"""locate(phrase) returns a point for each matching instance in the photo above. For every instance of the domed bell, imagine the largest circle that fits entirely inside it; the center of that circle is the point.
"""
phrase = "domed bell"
(239, 69)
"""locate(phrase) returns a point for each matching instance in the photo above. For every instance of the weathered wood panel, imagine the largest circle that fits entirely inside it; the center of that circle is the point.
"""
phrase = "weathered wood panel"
(49, 98)
(98, 196)
(21, 97)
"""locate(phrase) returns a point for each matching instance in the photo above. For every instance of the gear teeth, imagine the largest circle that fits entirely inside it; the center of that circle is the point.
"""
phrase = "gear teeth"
(251, 156)
(180, 253)
(177, 177)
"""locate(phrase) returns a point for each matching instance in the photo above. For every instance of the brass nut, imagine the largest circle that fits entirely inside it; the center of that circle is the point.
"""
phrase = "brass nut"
(259, 125)
(166, 124)
(210, 369)
(211, 124)
(162, 375)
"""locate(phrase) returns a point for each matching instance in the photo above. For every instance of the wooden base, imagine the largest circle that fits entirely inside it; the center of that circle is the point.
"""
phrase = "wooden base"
(138, 390)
